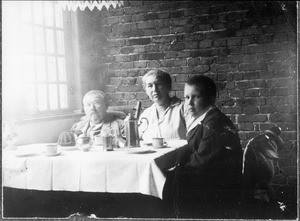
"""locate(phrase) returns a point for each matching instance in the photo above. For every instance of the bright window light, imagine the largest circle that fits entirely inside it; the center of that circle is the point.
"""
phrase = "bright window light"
(34, 76)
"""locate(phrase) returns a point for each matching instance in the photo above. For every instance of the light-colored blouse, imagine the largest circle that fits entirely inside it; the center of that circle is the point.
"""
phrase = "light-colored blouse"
(170, 126)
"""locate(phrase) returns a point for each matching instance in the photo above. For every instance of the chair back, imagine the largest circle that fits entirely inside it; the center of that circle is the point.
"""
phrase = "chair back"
(260, 164)
(123, 111)
(265, 145)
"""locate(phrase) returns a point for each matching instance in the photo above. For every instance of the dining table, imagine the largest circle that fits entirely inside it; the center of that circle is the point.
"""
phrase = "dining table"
(129, 171)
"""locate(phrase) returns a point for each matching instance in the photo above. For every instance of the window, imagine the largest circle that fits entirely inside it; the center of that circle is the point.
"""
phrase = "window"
(35, 58)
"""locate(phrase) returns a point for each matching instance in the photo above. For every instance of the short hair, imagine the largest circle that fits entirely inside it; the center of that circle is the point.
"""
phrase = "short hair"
(99, 94)
(162, 76)
(205, 83)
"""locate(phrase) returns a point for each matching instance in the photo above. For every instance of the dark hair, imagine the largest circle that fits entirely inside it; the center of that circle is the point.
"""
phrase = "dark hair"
(203, 83)
(162, 76)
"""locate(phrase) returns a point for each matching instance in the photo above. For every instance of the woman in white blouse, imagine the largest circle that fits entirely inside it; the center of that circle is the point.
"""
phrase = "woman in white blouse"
(166, 115)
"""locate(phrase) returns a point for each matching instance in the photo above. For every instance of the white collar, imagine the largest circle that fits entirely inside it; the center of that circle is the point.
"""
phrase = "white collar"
(198, 120)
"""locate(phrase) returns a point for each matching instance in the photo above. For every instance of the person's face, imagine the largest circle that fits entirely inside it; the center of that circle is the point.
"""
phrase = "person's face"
(196, 103)
(94, 108)
(155, 89)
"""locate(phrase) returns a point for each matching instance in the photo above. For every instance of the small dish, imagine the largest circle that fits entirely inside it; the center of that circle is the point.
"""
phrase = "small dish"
(163, 146)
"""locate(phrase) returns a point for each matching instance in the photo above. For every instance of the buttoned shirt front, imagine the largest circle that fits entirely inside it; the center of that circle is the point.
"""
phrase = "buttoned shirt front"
(170, 125)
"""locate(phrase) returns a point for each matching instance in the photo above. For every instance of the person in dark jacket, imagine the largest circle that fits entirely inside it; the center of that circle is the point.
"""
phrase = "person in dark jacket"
(213, 141)
(211, 164)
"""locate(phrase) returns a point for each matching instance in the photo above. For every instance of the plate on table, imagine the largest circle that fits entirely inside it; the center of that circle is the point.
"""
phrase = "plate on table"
(25, 153)
(150, 145)
(138, 150)
(52, 154)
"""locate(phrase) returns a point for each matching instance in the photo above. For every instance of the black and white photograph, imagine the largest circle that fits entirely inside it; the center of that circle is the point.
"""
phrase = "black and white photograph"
(150, 110)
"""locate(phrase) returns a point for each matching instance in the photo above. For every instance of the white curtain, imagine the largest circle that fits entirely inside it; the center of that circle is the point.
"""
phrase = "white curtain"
(91, 4)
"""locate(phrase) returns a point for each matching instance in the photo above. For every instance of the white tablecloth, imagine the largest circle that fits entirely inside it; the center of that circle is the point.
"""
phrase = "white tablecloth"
(94, 171)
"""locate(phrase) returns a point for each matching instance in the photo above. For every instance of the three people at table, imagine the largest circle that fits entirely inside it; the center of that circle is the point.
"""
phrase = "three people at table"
(212, 158)
(96, 119)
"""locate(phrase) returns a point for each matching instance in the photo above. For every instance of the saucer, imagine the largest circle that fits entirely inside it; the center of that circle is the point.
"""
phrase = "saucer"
(53, 155)
(163, 146)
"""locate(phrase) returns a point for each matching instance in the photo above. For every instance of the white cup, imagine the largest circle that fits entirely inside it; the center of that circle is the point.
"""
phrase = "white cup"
(157, 141)
(51, 149)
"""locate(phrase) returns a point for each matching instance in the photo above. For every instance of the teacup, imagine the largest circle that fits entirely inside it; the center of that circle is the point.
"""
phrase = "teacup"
(157, 142)
(51, 149)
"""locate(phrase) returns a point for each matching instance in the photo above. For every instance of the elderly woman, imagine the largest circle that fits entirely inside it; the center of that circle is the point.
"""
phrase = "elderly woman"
(165, 117)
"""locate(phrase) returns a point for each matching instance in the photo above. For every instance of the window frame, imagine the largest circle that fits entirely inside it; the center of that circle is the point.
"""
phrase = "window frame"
(71, 56)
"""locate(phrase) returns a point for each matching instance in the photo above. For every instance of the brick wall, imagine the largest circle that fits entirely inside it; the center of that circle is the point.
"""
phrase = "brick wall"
(248, 48)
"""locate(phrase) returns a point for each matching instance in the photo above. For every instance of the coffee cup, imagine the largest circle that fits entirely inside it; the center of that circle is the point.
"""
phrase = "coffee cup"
(157, 141)
(51, 149)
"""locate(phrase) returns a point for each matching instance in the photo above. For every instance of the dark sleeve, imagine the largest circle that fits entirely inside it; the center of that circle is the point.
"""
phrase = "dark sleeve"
(219, 146)
(208, 148)
(173, 158)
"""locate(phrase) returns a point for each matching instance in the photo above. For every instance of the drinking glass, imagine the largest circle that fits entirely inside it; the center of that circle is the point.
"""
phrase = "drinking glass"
(109, 139)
